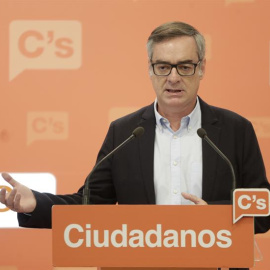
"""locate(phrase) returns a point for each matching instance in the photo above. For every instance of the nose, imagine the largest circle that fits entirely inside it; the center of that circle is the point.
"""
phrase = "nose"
(173, 77)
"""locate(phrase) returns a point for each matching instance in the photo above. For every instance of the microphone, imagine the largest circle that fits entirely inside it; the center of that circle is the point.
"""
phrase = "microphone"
(202, 133)
(137, 132)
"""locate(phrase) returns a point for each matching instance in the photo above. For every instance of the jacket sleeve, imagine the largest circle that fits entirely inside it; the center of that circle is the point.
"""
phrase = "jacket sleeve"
(41, 216)
(101, 192)
(253, 174)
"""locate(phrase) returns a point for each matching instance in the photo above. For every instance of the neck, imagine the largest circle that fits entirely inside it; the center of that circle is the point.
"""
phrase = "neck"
(174, 116)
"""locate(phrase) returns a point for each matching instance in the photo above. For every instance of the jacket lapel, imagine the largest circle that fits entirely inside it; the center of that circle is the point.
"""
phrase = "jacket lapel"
(210, 157)
(146, 150)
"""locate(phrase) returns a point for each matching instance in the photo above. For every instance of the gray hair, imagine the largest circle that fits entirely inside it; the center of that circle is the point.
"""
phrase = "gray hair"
(171, 30)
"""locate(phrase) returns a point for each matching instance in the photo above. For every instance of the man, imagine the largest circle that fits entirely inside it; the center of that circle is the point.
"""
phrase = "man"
(169, 164)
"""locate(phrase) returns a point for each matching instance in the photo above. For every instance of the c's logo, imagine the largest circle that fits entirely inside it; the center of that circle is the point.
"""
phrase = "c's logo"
(47, 126)
(8, 190)
(37, 45)
(251, 202)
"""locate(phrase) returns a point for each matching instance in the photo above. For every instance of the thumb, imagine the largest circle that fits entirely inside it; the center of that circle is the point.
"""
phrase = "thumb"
(9, 179)
(185, 195)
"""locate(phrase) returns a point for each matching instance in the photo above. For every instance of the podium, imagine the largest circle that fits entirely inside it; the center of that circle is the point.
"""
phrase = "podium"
(150, 237)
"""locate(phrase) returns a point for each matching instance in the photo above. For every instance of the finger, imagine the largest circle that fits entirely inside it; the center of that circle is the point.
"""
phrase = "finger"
(9, 179)
(3, 195)
(17, 202)
(193, 198)
(10, 199)
(188, 196)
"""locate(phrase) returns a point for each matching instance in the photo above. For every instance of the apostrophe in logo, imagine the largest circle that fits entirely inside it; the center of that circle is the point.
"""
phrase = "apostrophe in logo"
(44, 45)
(250, 202)
(3, 208)
(261, 126)
(47, 126)
(42, 182)
(227, 2)
(118, 112)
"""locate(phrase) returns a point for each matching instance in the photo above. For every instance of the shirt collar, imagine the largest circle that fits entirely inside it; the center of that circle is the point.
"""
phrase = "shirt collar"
(188, 122)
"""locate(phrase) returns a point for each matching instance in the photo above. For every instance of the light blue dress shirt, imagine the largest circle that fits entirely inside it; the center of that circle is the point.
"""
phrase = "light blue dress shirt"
(177, 158)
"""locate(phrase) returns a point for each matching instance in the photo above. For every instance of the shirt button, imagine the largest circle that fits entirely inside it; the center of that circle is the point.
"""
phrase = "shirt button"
(175, 163)
(175, 137)
(175, 191)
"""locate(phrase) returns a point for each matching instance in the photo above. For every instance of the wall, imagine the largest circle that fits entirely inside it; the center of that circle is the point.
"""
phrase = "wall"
(69, 67)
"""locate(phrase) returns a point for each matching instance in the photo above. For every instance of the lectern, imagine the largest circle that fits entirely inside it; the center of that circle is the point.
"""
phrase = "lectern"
(150, 237)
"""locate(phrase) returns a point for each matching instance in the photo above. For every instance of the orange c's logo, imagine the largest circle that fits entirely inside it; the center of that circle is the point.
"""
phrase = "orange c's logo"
(251, 202)
(8, 190)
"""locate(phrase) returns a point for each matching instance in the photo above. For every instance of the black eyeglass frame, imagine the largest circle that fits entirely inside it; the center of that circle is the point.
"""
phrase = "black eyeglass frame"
(175, 66)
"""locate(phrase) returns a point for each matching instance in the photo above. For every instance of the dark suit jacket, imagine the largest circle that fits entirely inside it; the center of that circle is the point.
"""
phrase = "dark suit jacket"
(127, 177)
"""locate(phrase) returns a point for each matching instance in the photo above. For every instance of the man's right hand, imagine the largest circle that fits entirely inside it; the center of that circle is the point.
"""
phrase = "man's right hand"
(21, 199)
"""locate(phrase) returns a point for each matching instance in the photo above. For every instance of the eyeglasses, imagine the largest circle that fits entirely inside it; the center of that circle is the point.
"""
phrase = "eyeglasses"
(183, 69)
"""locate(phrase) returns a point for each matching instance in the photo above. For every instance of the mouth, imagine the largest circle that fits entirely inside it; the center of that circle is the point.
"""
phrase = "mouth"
(174, 90)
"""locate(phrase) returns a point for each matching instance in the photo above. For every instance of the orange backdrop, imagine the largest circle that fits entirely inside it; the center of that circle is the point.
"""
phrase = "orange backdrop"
(68, 67)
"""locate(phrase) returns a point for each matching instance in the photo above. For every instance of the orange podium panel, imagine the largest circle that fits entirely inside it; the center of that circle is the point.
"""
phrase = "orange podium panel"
(151, 236)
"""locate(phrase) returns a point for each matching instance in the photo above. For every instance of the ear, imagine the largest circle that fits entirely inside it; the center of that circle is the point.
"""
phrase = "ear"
(150, 71)
(202, 68)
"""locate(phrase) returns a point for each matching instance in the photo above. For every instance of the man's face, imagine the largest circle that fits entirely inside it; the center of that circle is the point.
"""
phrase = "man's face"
(176, 93)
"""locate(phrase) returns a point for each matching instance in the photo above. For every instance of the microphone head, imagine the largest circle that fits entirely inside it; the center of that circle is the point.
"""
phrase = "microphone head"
(201, 133)
(137, 132)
